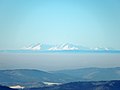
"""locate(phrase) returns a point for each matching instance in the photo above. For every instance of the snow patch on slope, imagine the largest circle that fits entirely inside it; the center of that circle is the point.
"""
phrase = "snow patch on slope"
(17, 87)
(51, 83)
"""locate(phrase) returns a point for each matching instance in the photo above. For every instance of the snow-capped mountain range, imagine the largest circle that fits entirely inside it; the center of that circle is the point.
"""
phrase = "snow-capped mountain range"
(65, 46)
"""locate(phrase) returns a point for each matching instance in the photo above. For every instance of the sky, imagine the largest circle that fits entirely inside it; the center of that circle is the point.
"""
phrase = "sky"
(91, 23)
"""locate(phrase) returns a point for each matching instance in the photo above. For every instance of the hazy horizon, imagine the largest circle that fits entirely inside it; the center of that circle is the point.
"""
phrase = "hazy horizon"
(50, 62)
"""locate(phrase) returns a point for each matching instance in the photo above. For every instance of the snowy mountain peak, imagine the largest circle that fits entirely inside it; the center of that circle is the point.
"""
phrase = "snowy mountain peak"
(64, 47)
(33, 47)
(36, 47)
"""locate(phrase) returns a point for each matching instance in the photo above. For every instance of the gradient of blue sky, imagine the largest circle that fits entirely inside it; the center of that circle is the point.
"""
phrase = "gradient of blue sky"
(90, 23)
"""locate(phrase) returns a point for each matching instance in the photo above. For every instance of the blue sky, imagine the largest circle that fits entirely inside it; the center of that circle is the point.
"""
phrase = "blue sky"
(90, 23)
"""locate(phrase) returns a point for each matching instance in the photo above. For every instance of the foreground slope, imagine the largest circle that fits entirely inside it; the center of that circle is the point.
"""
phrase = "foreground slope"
(93, 85)
(5, 88)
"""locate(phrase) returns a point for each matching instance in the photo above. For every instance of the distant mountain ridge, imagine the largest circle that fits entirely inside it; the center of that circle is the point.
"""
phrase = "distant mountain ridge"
(92, 74)
(60, 48)
(29, 77)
